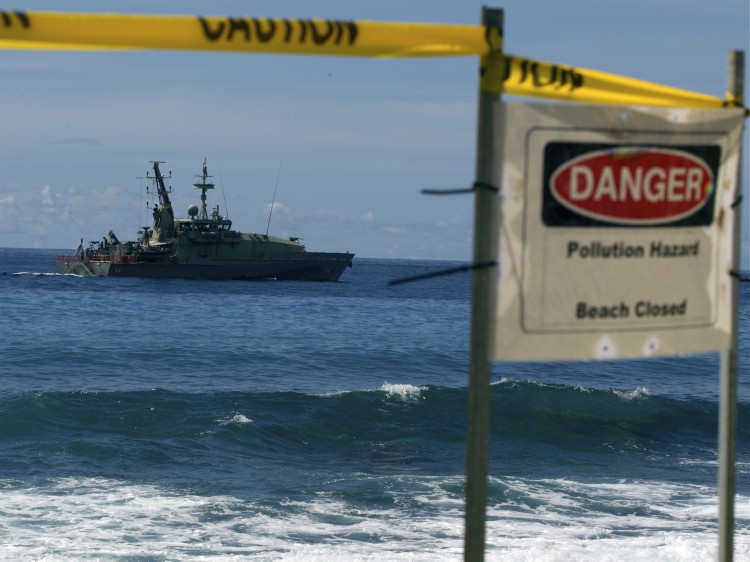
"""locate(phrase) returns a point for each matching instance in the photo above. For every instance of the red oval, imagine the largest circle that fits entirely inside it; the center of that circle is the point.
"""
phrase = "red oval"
(634, 185)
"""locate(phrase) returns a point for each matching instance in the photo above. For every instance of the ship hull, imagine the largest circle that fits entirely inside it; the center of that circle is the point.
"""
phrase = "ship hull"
(311, 266)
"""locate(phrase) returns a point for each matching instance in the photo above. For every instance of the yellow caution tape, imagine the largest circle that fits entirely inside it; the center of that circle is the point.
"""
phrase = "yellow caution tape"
(500, 73)
(47, 30)
(526, 77)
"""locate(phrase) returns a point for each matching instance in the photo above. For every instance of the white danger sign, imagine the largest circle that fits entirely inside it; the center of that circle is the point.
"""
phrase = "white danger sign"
(617, 227)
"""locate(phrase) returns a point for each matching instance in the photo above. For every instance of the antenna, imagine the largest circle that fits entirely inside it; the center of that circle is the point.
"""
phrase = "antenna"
(203, 186)
(274, 200)
(221, 181)
(141, 199)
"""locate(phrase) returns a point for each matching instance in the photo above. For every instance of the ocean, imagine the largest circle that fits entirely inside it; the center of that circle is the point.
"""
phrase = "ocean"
(160, 420)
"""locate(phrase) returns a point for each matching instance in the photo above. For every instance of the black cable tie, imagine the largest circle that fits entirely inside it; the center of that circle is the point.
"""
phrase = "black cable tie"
(737, 201)
(459, 269)
(477, 185)
(483, 185)
(447, 191)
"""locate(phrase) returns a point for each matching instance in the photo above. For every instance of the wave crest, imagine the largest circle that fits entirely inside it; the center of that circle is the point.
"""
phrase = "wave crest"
(403, 391)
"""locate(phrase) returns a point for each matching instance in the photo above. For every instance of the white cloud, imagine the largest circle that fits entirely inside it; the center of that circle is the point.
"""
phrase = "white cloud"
(367, 217)
(278, 208)
(394, 230)
(320, 214)
(450, 222)
(49, 219)
(45, 198)
(7, 201)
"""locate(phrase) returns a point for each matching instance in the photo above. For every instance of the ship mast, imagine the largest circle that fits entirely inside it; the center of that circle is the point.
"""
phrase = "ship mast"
(164, 216)
(203, 186)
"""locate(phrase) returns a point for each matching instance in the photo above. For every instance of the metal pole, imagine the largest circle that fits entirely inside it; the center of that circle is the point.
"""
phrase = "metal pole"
(728, 383)
(484, 283)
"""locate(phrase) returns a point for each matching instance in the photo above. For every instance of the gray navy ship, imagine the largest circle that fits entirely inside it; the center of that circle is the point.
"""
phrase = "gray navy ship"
(202, 246)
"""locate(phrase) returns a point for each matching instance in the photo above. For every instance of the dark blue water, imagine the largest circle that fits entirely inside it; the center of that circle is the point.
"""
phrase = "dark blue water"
(197, 420)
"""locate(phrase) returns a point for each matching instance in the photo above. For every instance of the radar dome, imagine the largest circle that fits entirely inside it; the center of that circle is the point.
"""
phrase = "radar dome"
(193, 210)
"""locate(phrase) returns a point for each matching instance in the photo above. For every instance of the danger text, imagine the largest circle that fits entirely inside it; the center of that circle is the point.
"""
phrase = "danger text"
(654, 184)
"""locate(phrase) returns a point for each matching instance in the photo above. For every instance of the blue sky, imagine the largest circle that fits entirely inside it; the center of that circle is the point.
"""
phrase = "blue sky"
(355, 140)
